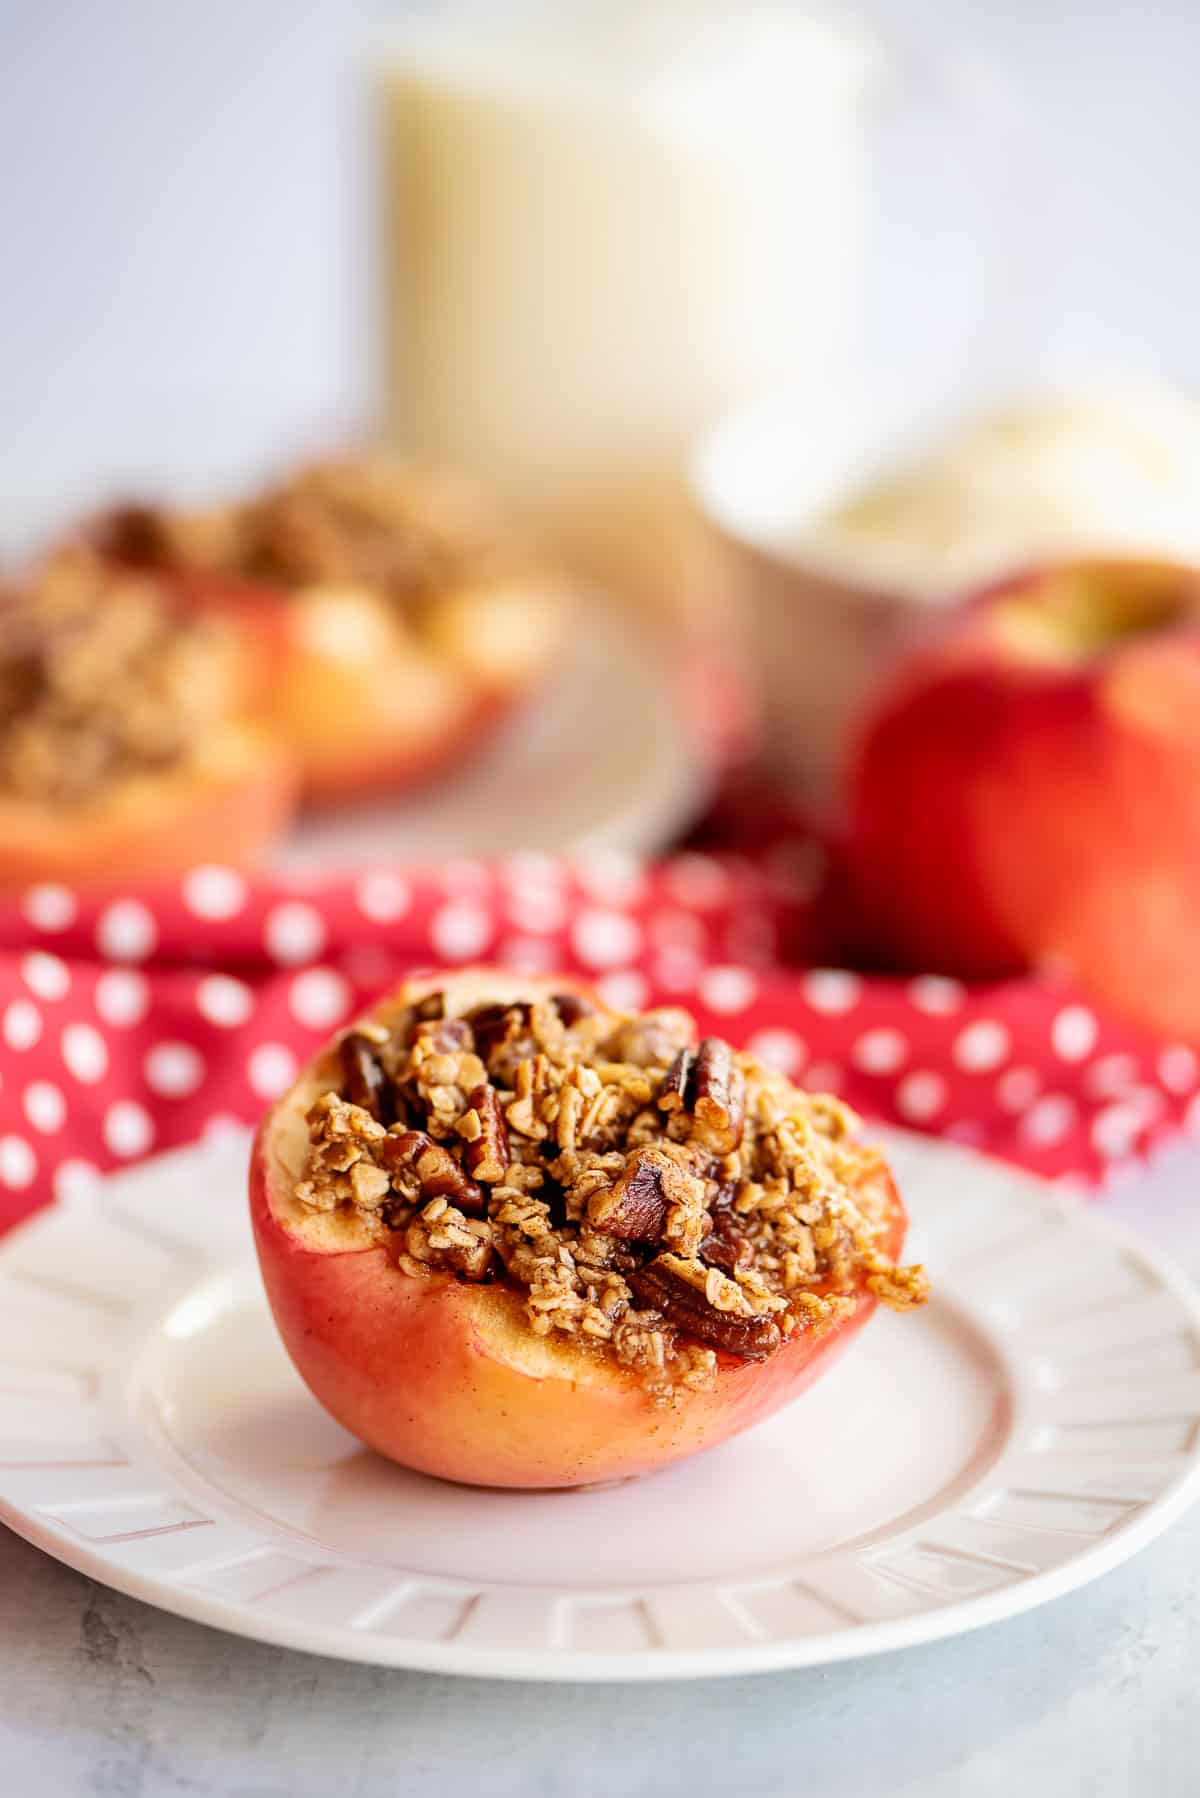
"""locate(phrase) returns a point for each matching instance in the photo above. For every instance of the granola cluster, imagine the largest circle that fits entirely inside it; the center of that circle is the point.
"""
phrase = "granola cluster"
(363, 522)
(99, 681)
(662, 1200)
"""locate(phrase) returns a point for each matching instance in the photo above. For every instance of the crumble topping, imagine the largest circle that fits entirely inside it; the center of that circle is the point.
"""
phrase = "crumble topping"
(100, 680)
(663, 1200)
(366, 522)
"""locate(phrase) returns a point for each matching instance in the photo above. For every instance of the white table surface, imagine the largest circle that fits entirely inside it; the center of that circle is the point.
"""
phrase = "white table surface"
(1094, 1694)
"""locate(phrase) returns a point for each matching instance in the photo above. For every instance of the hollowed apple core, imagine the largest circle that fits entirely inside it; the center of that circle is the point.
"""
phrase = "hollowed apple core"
(1079, 612)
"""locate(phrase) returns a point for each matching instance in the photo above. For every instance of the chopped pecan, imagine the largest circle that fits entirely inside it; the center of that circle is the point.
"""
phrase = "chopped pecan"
(572, 1006)
(705, 1085)
(661, 1288)
(487, 1152)
(494, 1025)
(363, 1078)
(445, 1036)
(677, 1082)
(720, 1102)
(424, 1168)
(727, 1246)
(635, 1207)
(430, 1008)
(137, 534)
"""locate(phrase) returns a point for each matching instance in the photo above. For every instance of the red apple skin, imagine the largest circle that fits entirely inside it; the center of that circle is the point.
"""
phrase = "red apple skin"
(168, 823)
(1014, 803)
(446, 1378)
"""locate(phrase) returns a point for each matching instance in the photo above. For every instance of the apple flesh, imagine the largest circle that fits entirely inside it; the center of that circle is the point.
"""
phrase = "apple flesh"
(446, 1377)
(226, 804)
(363, 706)
(1025, 790)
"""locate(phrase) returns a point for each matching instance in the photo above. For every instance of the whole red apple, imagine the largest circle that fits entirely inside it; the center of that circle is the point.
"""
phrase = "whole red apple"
(1025, 789)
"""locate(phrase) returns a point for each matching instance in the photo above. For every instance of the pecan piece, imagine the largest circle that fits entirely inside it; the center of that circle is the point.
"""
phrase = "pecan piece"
(661, 1288)
(363, 1079)
(430, 1008)
(635, 1207)
(445, 1036)
(493, 1025)
(705, 1085)
(571, 1007)
(727, 1246)
(136, 534)
(486, 1154)
(426, 1169)
(719, 1106)
(677, 1082)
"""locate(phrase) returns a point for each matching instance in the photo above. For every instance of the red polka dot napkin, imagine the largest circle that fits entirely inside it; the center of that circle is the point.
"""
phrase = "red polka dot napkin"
(136, 1021)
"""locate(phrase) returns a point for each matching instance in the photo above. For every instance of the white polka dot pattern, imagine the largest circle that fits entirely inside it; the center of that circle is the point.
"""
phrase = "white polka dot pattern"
(460, 931)
(76, 1182)
(981, 1046)
(604, 939)
(224, 1001)
(936, 995)
(1048, 1120)
(128, 1130)
(50, 908)
(319, 998)
(126, 931)
(920, 1096)
(1073, 1033)
(46, 976)
(727, 991)
(122, 997)
(270, 1070)
(1178, 1068)
(173, 1069)
(383, 896)
(45, 1106)
(880, 1051)
(131, 1021)
(21, 1024)
(832, 991)
(214, 892)
(624, 989)
(1016, 1090)
(294, 932)
(85, 1053)
(780, 1049)
(18, 1163)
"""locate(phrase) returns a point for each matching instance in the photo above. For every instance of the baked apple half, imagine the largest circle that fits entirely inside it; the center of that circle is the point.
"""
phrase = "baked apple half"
(514, 1238)
(402, 620)
(123, 748)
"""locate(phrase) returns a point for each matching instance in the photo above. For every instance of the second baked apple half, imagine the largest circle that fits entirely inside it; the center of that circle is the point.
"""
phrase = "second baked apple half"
(402, 619)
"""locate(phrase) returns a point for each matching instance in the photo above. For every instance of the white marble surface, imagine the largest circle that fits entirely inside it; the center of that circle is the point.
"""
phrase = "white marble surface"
(1092, 1695)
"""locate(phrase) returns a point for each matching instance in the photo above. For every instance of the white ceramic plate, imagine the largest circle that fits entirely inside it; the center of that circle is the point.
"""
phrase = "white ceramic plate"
(628, 771)
(1034, 1426)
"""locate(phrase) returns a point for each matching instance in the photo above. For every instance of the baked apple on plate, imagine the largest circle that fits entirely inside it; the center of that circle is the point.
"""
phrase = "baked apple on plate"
(403, 621)
(123, 746)
(514, 1238)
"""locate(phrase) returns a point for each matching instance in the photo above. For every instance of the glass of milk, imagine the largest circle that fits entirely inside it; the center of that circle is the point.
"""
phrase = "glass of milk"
(607, 225)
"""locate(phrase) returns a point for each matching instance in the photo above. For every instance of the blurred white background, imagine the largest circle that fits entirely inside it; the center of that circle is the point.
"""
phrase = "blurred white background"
(186, 214)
